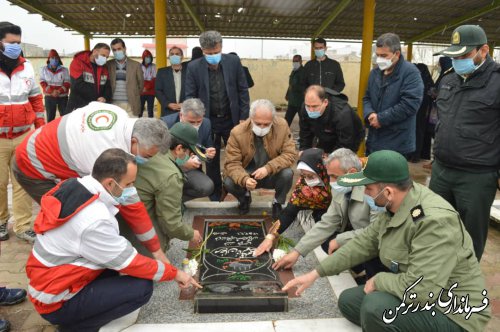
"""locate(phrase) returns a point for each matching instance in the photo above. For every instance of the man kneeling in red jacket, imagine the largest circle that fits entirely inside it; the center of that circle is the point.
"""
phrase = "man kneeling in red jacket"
(82, 273)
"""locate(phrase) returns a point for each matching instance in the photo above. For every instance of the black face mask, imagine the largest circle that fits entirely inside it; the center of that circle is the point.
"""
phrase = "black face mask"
(7, 64)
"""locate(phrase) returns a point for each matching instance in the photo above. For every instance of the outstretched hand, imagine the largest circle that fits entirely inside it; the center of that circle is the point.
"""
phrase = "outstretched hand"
(302, 283)
(287, 261)
(263, 247)
(184, 280)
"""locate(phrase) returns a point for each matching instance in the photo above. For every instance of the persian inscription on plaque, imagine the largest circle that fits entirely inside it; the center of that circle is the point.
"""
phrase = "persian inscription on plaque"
(229, 253)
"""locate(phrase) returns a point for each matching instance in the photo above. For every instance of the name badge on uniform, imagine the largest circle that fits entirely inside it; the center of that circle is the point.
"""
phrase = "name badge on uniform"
(394, 267)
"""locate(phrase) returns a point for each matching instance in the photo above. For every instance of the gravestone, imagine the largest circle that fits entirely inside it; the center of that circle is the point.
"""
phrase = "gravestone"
(233, 280)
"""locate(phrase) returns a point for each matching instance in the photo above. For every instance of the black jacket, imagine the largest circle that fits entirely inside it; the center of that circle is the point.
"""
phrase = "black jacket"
(88, 82)
(249, 77)
(296, 88)
(338, 127)
(326, 73)
(165, 88)
(198, 85)
(468, 130)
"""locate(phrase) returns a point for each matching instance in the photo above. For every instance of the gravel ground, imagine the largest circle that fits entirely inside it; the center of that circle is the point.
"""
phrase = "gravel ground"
(318, 301)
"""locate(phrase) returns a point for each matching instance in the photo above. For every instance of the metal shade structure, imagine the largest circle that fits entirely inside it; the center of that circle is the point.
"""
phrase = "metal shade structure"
(414, 21)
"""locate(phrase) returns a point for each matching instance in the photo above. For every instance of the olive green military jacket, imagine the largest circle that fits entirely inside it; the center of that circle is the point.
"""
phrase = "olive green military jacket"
(342, 210)
(159, 184)
(424, 238)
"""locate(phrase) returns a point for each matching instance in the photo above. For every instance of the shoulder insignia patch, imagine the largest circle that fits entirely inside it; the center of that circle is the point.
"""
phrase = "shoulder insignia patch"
(417, 213)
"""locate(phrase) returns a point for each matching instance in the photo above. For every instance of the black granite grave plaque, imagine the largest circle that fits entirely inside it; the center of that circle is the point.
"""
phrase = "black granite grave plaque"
(234, 280)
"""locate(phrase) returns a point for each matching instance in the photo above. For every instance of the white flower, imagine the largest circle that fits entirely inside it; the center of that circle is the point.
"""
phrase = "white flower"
(193, 267)
(278, 254)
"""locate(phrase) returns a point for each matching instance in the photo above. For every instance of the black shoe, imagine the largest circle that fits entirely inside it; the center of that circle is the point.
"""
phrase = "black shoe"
(276, 210)
(361, 280)
(4, 325)
(10, 296)
(245, 204)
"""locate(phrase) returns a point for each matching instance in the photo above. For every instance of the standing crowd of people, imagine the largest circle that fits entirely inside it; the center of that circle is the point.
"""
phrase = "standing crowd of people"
(112, 184)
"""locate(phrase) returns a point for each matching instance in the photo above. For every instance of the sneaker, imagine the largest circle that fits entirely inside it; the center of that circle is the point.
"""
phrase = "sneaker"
(276, 210)
(28, 235)
(244, 206)
(4, 325)
(10, 296)
(4, 232)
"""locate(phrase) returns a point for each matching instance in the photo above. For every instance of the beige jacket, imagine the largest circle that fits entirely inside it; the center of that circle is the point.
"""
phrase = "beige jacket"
(342, 210)
(135, 82)
(240, 150)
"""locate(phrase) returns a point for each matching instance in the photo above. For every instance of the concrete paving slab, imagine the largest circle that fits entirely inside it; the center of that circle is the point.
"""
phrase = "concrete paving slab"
(204, 327)
(316, 325)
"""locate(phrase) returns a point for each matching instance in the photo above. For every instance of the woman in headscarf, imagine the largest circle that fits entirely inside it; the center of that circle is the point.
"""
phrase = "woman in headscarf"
(148, 93)
(55, 82)
(312, 192)
(423, 151)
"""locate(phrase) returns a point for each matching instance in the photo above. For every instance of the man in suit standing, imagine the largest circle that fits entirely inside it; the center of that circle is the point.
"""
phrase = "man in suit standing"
(219, 81)
(170, 82)
(126, 78)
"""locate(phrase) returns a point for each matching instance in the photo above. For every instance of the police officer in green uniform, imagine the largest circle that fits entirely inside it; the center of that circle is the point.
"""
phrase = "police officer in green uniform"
(434, 283)
(467, 142)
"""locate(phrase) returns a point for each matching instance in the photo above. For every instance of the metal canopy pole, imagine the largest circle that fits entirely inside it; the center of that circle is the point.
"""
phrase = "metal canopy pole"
(86, 43)
(160, 37)
(409, 52)
(366, 57)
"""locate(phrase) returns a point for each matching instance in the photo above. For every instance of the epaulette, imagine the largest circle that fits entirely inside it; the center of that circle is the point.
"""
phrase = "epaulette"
(417, 213)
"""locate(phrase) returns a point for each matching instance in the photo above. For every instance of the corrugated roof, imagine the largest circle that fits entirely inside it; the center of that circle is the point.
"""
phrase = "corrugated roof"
(269, 18)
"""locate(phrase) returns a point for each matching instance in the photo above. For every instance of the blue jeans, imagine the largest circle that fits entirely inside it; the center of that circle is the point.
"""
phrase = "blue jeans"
(107, 298)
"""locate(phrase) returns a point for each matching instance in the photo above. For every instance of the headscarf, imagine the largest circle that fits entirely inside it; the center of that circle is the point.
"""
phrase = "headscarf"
(146, 54)
(53, 54)
(317, 197)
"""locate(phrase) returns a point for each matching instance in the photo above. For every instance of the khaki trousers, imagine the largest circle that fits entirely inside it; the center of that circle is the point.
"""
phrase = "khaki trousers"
(22, 204)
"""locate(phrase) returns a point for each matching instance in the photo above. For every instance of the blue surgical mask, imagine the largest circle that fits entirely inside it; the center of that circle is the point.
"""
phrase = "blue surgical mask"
(213, 59)
(181, 162)
(340, 189)
(464, 66)
(175, 59)
(371, 202)
(126, 194)
(100, 60)
(313, 115)
(147, 60)
(53, 62)
(119, 55)
(140, 160)
(12, 50)
(319, 53)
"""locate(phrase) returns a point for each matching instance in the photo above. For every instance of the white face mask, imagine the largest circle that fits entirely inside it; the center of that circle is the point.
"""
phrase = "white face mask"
(313, 183)
(261, 131)
(340, 189)
(384, 63)
(197, 127)
(296, 65)
(100, 60)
